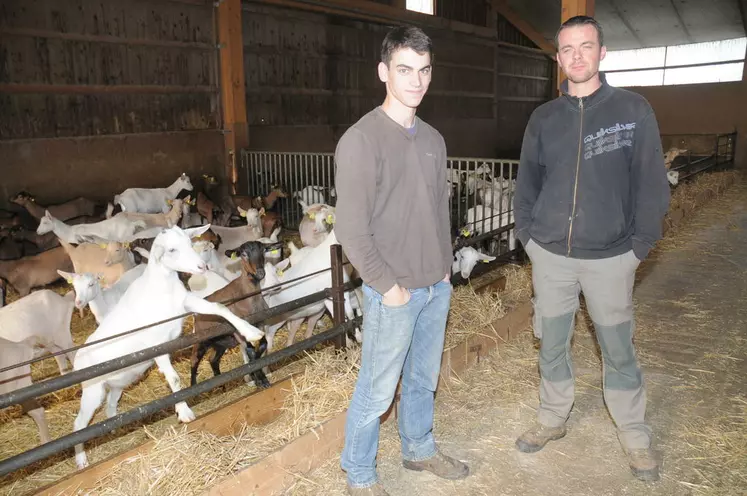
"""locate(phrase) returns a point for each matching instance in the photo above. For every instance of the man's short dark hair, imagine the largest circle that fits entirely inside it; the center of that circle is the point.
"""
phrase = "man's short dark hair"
(405, 37)
(581, 20)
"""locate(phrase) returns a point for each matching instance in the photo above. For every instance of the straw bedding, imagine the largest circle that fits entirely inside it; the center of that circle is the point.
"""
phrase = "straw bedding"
(318, 395)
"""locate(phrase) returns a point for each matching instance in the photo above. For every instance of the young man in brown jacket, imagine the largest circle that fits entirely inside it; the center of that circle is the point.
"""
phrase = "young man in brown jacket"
(393, 224)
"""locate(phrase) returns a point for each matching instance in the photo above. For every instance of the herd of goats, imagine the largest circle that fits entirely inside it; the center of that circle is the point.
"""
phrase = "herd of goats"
(149, 256)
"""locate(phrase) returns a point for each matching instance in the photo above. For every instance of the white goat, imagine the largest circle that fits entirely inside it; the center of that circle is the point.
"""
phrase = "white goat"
(317, 221)
(167, 219)
(88, 290)
(29, 327)
(233, 237)
(496, 195)
(41, 320)
(151, 200)
(673, 177)
(114, 229)
(310, 195)
(156, 295)
(318, 259)
(479, 222)
(465, 260)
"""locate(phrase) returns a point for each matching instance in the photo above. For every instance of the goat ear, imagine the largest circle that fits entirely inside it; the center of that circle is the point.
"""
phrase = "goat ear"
(193, 232)
(242, 212)
(262, 211)
(66, 275)
(283, 264)
(156, 253)
(47, 214)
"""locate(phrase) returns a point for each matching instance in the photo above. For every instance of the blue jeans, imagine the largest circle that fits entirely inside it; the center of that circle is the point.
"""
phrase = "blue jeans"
(406, 340)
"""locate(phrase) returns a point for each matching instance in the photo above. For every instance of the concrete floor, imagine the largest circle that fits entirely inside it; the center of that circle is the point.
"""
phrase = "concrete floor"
(691, 303)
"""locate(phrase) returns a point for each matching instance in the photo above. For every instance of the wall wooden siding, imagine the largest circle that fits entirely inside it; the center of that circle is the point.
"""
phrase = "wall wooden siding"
(104, 70)
(310, 76)
(475, 12)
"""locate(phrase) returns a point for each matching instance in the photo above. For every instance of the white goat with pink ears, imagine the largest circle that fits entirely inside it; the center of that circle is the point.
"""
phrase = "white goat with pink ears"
(156, 295)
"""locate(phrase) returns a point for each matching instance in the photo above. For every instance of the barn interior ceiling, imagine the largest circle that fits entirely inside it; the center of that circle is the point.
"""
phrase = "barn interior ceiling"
(647, 23)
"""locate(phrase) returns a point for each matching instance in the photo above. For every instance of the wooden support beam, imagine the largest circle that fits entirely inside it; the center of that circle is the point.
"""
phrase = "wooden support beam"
(573, 8)
(502, 7)
(233, 97)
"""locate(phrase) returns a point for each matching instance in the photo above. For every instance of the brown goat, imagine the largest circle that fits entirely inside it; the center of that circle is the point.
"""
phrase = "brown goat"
(35, 271)
(252, 256)
(63, 211)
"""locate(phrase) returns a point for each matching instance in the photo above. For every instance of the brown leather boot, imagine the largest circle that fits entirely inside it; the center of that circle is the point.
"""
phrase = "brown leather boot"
(440, 465)
(535, 438)
(375, 490)
(643, 464)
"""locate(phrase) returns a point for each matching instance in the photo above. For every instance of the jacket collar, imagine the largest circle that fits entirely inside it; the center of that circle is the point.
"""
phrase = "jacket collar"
(598, 96)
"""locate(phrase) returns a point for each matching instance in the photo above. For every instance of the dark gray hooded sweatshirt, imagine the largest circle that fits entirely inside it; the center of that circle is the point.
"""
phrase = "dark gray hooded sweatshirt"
(591, 182)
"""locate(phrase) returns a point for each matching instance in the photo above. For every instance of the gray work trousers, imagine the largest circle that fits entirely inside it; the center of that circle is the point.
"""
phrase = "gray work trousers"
(608, 290)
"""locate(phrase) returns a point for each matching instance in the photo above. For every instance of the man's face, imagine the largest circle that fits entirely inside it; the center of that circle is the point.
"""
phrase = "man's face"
(579, 52)
(408, 76)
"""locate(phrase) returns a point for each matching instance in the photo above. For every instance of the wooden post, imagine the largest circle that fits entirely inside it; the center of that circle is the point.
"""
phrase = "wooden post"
(338, 295)
(233, 96)
(573, 8)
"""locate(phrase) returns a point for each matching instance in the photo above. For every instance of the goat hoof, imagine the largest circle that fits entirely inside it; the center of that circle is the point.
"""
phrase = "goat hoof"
(185, 414)
(81, 461)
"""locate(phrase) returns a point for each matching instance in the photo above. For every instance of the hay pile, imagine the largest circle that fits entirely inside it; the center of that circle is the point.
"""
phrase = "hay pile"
(471, 312)
(189, 463)
(684, 194)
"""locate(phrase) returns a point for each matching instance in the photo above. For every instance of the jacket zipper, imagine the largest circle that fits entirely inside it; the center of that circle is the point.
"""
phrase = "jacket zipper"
(578, 165)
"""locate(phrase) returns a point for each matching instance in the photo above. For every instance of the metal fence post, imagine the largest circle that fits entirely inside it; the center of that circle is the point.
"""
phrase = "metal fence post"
(338, 294)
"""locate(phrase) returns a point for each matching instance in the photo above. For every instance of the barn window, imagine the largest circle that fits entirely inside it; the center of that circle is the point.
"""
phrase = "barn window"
(709, 62)
(424, 6)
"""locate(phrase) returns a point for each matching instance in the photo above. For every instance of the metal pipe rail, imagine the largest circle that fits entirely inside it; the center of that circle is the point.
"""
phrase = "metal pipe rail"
(78, 376)
(229, 301)
(86, 434)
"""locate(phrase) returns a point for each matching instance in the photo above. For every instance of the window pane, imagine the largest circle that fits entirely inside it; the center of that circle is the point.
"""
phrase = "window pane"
(637, 78)
(424, 6)
(711, 51)
(633, 59)
(704, 74)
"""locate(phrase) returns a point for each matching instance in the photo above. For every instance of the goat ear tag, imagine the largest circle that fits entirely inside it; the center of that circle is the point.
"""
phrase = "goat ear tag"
(312, 216)
(69, 280)
(102, 245)
(465, 232)
(330, 219)
(279, 272)
(168, 202)
(274, 252)
(243, 214)
(233, 256)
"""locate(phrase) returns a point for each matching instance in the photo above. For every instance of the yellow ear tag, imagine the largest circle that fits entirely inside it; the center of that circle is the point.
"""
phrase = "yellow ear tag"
(262, 214)
(243, 214)
(69, 280)
(330, 219)
(279, 272)
(274, 252)
(126, 245)
(485, 261)
(168, 202)
(102, 245)
(465, 232)
(312, 216)
(233, 256)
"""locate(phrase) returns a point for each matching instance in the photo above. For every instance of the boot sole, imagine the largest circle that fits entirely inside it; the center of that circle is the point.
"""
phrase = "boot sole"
(421, 469)
(525, 447)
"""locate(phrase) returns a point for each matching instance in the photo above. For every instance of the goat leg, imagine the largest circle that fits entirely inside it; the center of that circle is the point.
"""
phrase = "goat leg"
(193, 303)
